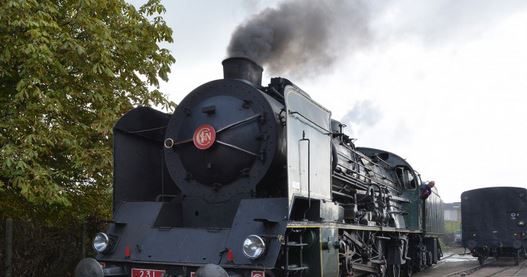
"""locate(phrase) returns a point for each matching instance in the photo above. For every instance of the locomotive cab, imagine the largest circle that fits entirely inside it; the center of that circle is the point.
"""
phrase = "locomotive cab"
(407, 177)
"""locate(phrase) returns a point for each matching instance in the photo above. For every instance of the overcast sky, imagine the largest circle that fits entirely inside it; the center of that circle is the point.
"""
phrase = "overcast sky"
(442, 83)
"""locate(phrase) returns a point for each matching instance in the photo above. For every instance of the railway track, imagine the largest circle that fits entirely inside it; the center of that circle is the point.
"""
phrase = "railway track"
(502, 267)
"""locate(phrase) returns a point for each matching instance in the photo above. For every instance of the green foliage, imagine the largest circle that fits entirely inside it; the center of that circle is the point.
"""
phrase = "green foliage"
(68, 70)
(452, 226)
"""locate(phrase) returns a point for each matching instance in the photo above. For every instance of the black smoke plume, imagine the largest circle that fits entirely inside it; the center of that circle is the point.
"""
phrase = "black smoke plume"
(302, 37)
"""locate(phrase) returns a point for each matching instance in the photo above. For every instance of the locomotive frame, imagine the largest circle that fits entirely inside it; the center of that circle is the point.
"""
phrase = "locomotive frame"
(284, 178)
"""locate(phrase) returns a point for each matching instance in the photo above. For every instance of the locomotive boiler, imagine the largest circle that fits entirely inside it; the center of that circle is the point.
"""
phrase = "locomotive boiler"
(251, 180)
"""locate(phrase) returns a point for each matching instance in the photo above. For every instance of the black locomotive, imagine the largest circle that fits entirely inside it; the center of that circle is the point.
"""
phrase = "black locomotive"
(494, 222)
(246, 180)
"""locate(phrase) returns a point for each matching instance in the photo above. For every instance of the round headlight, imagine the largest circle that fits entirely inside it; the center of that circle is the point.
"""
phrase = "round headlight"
(253, 247)
(521, 223)
(101, 242)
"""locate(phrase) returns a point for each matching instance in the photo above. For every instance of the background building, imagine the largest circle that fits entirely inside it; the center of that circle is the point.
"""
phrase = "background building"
(452, 216)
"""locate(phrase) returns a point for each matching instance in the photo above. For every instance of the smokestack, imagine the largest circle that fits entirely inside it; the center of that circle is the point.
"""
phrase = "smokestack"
(242, 68)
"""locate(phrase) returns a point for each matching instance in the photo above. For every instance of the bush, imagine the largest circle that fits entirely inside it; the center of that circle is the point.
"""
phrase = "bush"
(42, 250)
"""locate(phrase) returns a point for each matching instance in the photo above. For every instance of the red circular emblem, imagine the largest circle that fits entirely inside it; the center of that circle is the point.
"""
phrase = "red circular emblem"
(204, 136)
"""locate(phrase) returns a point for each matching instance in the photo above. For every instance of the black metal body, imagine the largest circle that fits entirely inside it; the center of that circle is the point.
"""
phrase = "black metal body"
(191, 186)
(494, 221)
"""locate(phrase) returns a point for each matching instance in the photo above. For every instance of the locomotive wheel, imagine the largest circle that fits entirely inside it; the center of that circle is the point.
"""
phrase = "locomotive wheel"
(430, 258)
(406, 270)
(482, 259)
(382, 271)
(393, 271)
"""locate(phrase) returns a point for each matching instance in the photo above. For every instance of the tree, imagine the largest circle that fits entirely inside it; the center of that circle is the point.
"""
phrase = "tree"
(68, 70)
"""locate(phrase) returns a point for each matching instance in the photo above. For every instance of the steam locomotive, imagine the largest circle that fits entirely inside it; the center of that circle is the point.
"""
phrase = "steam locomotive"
(251, 180)
(494, 222)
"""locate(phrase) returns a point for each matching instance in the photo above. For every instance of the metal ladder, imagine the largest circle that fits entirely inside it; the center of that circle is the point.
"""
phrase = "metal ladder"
(295, 246)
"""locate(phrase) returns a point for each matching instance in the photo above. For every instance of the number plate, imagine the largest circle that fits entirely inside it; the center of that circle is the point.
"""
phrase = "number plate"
(139, 272)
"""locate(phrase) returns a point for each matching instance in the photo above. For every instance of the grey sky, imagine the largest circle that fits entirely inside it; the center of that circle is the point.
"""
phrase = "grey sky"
(445, 81)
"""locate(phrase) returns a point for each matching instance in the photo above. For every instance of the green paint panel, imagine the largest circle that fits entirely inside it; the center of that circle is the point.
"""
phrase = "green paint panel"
(413, 209)
(434, 212)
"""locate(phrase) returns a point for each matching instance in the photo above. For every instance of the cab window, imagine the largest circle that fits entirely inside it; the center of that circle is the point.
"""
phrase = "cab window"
(412, 181)
(406, 178)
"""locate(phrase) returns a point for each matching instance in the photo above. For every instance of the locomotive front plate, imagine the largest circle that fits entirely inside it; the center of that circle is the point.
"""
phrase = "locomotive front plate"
(140, 272)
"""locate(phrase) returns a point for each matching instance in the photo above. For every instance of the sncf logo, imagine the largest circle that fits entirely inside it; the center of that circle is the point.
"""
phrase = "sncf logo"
(204, 136)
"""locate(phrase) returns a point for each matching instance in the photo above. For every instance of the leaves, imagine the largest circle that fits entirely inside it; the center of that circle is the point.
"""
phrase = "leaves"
(68, 71)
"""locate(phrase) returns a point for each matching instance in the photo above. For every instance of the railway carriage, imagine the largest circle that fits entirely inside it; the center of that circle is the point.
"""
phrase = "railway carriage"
(494, 222)
(251, 180)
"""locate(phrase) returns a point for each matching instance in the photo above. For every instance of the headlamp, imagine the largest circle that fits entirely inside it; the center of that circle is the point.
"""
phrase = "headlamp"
(101, 242)
(253, 247)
